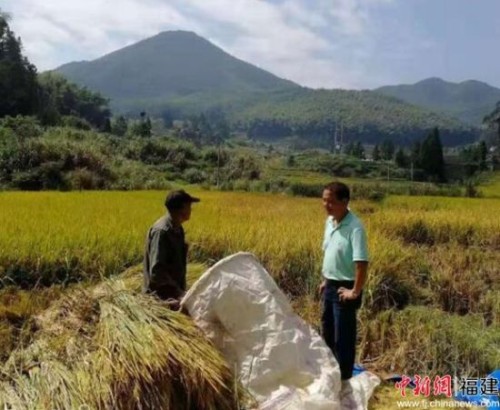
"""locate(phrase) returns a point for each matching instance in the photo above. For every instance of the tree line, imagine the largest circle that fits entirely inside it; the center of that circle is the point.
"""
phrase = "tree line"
(49, 97)
(425, 157)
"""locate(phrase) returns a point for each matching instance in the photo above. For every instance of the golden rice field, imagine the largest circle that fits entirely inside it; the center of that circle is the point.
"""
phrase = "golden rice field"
(432, 301)
(88, 234)
(491, 188)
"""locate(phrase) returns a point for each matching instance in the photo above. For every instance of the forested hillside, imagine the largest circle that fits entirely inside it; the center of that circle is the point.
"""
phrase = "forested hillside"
(178, 74)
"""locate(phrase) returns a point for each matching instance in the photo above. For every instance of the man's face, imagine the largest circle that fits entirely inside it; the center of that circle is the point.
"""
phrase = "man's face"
(185, 212)
(332, 205)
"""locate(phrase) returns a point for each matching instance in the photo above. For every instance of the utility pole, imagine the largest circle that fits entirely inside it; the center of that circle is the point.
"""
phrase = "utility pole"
(218, 160)
(335, 137)
(341, 135)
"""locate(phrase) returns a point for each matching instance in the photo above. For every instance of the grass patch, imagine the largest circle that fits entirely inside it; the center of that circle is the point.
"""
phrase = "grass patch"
(426, 340)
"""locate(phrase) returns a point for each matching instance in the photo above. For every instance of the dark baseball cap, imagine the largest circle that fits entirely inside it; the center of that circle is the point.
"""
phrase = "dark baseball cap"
(177, 199)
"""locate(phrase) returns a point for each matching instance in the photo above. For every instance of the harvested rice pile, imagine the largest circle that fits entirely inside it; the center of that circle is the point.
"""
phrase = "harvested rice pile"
(108, 347)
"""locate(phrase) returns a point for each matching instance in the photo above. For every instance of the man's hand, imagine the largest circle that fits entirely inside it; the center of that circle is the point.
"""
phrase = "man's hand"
(173, 304)
(346, 294)
(322, 287)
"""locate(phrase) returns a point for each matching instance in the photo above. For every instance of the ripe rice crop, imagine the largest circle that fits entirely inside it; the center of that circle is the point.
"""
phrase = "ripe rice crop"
(433, 253)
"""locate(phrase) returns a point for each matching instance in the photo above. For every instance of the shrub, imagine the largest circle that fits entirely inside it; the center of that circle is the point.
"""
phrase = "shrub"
(194, 176)
(23, 127)
(84, 179)
(75, 122)
(27, 180)
(308, 190)
(242, 185)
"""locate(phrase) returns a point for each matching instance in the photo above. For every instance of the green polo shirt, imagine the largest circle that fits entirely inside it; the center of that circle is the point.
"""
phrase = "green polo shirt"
(343, 244)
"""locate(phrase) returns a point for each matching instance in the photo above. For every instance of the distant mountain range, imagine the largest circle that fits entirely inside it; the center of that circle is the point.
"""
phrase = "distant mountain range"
(179, 73)
(470, 101)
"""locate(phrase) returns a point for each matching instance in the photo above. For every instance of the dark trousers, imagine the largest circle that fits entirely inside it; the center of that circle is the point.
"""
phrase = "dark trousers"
(338, 322)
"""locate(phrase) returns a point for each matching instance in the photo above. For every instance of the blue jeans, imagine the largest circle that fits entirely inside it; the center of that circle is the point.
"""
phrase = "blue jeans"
(338, 322)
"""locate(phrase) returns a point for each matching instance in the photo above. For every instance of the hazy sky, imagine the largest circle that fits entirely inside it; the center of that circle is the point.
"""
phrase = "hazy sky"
(323, 43)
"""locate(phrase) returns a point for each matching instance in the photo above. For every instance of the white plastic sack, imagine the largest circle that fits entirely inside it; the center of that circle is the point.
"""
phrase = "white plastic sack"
(278, 357)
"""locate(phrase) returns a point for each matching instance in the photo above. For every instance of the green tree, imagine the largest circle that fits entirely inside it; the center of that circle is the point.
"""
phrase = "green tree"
(376, 153)
(168, 118)
(416, 154)
(432, 156)
(475, 157)
(107, 126)
(387, 149)
(492, 121)
(401, 159)
(204, 128)
(120, 126)
(482, 155)
(358, 151)
(349, 148)
(222, 130)
(147, 128)
(59, 97)
(143, 127)
(18, 82)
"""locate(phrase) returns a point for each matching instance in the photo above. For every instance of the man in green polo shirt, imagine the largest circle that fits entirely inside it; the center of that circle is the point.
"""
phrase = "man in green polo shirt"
(165, 253)
(344, 272)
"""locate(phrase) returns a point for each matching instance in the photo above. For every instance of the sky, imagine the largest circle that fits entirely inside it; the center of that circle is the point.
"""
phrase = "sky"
(350, 44)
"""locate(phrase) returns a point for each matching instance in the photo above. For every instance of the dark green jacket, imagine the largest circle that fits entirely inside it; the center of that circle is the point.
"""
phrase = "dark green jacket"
(165, 260)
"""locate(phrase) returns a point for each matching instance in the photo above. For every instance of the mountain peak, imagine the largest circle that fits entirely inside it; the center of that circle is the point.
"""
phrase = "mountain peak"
(468, 100)
(476, 83)
(432, 80)
(176, 34)
(171, 63)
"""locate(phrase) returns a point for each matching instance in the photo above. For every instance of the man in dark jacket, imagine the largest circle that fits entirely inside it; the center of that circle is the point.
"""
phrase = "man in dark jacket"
(165, 254)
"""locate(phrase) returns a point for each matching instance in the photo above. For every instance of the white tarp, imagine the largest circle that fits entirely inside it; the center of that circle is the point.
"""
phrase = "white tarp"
(282, 361)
